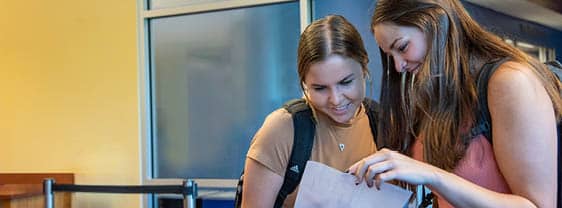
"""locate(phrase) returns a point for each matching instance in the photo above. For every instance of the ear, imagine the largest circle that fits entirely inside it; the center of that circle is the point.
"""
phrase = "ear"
(304, 89)
(306, 97)
(366, 75)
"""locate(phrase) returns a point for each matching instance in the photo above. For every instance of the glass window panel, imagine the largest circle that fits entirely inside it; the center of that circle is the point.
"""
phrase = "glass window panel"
(359, 14)
(215, 76)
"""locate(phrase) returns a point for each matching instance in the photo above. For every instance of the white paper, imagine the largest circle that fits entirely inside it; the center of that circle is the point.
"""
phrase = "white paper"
(326, 187)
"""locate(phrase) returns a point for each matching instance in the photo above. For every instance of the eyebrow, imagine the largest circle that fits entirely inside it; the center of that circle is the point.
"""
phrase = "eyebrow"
(392, 45)
(345, 78)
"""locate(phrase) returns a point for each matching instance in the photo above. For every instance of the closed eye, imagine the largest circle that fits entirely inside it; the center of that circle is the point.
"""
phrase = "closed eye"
(318, 88)
(346, 82)
(403, 47)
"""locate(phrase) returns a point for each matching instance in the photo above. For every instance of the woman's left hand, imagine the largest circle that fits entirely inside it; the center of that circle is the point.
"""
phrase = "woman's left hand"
(386, 165)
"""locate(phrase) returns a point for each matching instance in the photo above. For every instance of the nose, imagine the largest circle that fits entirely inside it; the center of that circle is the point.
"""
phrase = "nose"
(399, 63)
(335, 97)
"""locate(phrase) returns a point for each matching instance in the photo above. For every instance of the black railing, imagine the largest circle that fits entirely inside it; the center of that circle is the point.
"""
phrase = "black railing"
(188, 189)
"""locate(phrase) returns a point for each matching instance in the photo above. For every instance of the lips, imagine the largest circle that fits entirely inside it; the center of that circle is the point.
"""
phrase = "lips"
(341, 110)
(414, 69)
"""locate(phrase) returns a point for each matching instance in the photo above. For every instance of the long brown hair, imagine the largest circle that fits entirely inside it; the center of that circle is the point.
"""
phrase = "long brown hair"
(330, 35)
(438, 103)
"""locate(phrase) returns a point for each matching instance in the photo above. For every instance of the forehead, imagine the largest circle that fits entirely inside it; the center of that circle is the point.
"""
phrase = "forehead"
(332, 70)
(386, 33)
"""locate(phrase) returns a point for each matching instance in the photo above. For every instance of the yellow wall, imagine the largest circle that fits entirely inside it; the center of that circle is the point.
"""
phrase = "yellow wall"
(68, 93)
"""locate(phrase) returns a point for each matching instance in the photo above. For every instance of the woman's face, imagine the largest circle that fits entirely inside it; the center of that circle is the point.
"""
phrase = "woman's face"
(406, 45)
(336, 87)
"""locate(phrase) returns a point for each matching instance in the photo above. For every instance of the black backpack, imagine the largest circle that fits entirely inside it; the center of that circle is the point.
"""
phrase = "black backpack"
(484, 125)
(305, 128)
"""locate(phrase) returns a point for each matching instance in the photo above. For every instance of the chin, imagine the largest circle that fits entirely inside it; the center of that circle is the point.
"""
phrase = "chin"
(342, 119)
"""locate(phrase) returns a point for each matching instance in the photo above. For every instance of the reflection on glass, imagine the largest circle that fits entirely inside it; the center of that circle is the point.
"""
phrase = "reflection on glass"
(215, 76)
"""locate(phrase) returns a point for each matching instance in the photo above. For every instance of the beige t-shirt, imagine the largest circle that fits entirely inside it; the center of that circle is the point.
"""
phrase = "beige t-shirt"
(272, 144)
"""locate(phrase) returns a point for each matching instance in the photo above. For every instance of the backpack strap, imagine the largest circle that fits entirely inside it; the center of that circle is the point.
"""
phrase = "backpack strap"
(305, 129)
(372, 110)
(483, 119)
(555, 67)
(238, 197)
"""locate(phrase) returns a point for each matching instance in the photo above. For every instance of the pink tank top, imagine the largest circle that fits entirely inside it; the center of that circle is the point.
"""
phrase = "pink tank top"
(477, 166)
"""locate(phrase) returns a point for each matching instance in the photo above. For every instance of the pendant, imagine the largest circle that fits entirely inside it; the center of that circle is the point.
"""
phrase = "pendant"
(342, 146)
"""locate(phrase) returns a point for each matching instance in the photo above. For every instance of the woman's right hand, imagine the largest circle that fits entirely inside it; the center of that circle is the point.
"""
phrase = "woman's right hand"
(386, 165)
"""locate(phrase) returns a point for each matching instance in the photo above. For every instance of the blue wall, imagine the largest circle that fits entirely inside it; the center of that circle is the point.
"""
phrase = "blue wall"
(517, 29)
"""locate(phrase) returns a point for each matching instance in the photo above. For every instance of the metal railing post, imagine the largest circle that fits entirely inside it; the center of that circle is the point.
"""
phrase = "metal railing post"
(189, 201)
(48, 192)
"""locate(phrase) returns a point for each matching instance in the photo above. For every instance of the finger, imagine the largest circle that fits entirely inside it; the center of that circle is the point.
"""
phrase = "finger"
(377, 168)
(378, 182)
(353, 168)
(384, 177)
(359, 170)
(361, 166)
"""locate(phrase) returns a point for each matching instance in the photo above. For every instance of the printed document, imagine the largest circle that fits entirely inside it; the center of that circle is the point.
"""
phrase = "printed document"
(326, 187)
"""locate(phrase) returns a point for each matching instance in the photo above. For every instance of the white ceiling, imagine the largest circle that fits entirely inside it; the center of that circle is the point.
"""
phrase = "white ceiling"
(524, 9)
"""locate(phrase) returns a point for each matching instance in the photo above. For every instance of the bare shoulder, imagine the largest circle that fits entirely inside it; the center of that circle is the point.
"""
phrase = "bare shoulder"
(514, 80)
(524, 132)
(518, 100)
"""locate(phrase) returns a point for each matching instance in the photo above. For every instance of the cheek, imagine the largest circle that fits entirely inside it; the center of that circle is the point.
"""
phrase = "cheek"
(415, 55)
(356, 91)
(316, 99)
(421, 50)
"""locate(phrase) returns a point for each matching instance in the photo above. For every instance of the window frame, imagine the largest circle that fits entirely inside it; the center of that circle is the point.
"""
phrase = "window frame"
(145, 14)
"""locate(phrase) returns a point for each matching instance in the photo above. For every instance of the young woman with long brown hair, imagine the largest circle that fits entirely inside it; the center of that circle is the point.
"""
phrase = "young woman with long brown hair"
(433, 53)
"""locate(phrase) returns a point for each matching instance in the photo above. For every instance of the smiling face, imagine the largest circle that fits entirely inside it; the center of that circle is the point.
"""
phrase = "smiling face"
(336, 87)
(406, 45)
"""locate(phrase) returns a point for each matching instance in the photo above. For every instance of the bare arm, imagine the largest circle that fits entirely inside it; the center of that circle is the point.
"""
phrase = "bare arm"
(261, 185)
(524, 134)
(524, 129)
(524, 137)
